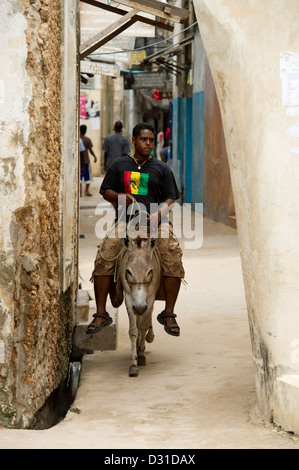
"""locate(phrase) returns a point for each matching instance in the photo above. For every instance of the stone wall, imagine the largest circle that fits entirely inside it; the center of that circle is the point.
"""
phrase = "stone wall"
(36, 316)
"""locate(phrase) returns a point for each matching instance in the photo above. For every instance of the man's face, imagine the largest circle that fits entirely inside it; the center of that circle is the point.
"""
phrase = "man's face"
(144, 143)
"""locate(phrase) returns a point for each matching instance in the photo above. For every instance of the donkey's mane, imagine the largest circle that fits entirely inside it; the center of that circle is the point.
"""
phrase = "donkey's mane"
(138, 241)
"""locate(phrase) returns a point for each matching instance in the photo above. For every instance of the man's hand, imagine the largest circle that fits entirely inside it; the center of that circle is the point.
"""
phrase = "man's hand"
(154, 220)
(114, 197)
(129, 199)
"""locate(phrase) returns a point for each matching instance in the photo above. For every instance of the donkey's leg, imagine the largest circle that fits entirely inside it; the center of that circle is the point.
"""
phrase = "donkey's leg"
(150, 331)
(133, 334)
(145, 330)
(141, 347)
(150, 335)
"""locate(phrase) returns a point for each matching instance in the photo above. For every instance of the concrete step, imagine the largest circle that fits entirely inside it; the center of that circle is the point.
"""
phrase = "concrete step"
(105, 340)
(287, 399)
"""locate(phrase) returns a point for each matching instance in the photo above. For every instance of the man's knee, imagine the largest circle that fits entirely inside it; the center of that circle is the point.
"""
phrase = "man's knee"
(107, 254)
(171, 258)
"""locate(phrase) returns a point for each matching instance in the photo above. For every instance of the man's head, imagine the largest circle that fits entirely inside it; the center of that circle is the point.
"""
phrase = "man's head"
(143, 140)
(118, 126)
(140, 127)
(83, 129)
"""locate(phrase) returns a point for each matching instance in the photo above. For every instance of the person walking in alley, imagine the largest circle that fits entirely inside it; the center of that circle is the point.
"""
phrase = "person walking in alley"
(82, 150)
(115, 145)
(145, 180)
(88, 149)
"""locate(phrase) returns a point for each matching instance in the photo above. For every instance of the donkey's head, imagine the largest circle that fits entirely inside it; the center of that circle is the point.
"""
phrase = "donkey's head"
(140, 276)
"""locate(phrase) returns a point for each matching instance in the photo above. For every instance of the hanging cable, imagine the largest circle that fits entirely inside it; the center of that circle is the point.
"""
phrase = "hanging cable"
(145, 47)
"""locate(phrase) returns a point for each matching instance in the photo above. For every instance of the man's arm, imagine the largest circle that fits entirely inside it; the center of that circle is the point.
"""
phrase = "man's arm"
(82, 162)
(155, 218)
(112, 196)
(92, 153)
(105, 160)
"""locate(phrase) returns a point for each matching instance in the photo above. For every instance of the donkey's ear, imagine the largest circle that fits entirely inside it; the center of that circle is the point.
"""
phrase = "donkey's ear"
(148, 244)
(126, 240)
(153, 242)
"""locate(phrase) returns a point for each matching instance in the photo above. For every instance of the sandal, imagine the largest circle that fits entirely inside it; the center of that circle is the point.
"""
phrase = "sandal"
(169, 328)
(95, 328)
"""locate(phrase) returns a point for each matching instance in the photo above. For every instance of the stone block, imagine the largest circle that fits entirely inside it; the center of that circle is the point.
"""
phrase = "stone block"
(82, 306)
(105, 340)
(286, 411)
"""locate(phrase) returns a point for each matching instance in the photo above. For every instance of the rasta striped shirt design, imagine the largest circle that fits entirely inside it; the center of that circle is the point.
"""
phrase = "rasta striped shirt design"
(136, 183)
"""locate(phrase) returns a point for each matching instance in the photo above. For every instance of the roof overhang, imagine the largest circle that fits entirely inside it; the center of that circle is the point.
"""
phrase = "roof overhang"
(161, 12)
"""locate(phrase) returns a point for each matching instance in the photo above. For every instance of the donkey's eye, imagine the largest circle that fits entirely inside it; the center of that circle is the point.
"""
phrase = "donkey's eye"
(128, 274)
(150, 273)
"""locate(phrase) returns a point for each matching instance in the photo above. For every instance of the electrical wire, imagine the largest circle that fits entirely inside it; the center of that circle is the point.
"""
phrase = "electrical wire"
(149, 45)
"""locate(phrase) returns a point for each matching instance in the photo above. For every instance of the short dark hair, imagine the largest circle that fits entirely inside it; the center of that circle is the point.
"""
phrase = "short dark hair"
(141, 127)
(118, 126)
(83, 129)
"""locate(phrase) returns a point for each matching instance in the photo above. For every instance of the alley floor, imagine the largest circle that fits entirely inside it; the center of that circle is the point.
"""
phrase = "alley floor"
(196, 392)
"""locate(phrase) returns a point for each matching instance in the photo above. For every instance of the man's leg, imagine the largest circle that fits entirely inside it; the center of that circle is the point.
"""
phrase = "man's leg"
(171, 288)
(87, 193)
(101, 289)
(87, 179)
(103, 272)
(171, 257)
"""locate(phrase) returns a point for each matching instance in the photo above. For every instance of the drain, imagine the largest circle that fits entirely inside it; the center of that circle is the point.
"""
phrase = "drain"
(59, 402)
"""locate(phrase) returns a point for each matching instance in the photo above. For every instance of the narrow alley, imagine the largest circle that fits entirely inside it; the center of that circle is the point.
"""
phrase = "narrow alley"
(196, 392)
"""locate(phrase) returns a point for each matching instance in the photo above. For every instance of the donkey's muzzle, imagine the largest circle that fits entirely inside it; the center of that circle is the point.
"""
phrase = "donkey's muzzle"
(139, 309)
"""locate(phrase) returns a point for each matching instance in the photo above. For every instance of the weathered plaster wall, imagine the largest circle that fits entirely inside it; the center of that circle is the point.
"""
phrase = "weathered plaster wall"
(244, 42)
(218, 197)
(35, 316)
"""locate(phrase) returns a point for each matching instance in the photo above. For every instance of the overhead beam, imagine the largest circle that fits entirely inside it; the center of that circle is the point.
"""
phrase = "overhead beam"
(162, 10)
(119, 11)
(108, 33)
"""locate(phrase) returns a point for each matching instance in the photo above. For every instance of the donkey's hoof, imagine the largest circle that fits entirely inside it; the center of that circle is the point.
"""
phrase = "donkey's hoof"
(133, 371)
(141, 361)
(150, 337)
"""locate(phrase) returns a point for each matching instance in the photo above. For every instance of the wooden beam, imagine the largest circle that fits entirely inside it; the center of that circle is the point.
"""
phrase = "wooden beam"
(108, 33)
(173, 10)
(153, 7)
(107, 38)
(159, 24)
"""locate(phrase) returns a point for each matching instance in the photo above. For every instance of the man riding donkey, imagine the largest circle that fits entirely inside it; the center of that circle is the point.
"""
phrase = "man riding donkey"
(145, 181)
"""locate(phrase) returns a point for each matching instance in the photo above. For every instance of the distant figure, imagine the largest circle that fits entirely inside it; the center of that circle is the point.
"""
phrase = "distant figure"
(159, 145)
(164, 154)
(115, 145)
(165, 151)
(82, 150)
(88, 148)
(167, 136)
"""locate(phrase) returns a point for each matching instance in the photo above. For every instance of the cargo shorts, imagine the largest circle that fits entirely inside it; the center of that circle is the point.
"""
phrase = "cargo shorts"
(167, 245)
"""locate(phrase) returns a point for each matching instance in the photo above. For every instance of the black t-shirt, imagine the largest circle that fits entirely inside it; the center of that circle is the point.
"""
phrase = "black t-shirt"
(154, 182)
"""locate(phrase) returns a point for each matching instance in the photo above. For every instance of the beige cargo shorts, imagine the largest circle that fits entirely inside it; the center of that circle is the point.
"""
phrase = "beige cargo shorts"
(167, 244)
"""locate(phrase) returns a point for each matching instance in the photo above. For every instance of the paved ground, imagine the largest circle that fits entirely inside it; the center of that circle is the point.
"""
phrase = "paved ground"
(196, 392)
